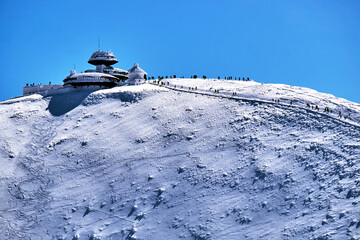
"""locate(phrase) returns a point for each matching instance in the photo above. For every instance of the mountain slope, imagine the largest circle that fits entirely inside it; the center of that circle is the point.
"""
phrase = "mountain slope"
(148, 162)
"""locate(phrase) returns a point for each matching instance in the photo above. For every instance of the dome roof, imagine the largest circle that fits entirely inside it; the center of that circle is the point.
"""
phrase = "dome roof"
(102, 57)
(136, 73)
(137, 69)
(90, 78)
(90, 75)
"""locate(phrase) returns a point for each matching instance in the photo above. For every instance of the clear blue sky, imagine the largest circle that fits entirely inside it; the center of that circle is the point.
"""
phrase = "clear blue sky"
(309, 43)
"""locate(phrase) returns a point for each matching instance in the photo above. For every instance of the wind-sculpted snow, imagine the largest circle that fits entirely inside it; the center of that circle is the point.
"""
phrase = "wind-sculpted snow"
(163, 164)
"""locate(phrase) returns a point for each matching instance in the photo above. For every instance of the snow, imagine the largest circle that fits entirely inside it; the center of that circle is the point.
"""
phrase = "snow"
(137, 69)
(250, 90)
(119, 70)
(89, 75)
(158, 162)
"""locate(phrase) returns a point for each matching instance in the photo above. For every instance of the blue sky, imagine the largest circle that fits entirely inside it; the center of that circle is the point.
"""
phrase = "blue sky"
(309, 43)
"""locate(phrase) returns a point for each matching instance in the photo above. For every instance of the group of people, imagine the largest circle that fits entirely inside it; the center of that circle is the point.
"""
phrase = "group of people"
(326, 109)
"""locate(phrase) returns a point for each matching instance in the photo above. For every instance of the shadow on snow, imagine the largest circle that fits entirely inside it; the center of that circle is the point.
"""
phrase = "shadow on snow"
(65, 102)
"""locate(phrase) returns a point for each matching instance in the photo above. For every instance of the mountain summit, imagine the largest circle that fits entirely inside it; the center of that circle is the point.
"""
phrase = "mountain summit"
(181, 159)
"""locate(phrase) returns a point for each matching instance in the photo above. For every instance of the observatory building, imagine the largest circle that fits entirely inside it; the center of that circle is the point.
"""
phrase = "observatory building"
(103, 76)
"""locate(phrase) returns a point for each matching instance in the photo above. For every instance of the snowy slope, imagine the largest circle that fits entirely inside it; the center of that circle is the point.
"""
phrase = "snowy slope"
(151, 162)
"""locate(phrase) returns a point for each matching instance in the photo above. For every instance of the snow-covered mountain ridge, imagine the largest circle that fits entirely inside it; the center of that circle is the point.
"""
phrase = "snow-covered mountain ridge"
(266, 93)
(150, 162)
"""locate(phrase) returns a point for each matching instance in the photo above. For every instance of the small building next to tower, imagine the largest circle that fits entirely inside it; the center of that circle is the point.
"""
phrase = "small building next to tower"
(136, 75)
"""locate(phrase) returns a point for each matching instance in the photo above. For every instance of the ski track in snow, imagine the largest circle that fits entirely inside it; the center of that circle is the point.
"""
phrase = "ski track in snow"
(148, 162)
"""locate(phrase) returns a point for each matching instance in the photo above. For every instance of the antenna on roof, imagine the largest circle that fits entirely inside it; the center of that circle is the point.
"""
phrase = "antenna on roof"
(99, 43)
(74, 66)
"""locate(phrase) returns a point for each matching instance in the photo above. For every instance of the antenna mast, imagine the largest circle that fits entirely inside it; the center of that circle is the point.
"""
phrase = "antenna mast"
(99, 43)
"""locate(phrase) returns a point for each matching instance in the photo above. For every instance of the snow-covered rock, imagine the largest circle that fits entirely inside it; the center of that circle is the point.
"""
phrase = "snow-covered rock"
(158, 162)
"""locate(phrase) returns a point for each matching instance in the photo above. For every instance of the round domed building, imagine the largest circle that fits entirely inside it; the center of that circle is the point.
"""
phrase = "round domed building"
(102, 57)
(104, 75)
(90, 79)
(103, 61)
